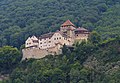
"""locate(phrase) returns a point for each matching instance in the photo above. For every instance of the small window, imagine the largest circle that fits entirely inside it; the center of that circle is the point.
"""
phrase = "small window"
(54, 38)
(44, 42)
(59, 37)
(65, 38)
(41, 43)
(49, 41)
(77, 35)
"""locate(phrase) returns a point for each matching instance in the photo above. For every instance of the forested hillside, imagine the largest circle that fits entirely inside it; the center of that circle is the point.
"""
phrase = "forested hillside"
(86, 63)
(22, 18)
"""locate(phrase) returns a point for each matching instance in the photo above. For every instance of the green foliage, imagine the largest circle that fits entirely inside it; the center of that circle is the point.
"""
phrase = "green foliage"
(87, 63)
(93, 62)
(20, 19)
(94, 38)
(9, 58)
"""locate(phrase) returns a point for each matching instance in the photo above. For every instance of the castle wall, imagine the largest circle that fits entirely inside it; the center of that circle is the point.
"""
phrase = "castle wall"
(34, 53)
(30, 42)
(81, 37)
(40, 53)
(52, 42)
(45, 43)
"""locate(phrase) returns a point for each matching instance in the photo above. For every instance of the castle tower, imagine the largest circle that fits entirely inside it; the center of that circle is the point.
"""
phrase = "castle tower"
(68, 28)
(68, 25)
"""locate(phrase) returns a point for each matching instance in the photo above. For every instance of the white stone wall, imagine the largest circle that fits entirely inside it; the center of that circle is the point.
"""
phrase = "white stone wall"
(29, 42)
(34, 38)
(33, 53)
(51, 42)
(46, 43)
(38, 53)
(81, 37)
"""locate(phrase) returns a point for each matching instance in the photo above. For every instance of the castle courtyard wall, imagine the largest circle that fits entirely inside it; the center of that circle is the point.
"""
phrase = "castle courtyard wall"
(38, 53)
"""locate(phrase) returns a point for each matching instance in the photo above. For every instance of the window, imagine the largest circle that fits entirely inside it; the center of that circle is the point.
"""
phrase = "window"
(54, 38)
(59, 37)
(41, 43)
(77, 35)
(49, 41)
(44, 42)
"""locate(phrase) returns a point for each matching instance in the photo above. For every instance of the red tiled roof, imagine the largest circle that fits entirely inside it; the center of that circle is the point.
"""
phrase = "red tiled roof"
(81, 29)
(68, 23)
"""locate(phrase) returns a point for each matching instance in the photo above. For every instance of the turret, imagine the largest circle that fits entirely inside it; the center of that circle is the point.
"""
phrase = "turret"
(68, 25)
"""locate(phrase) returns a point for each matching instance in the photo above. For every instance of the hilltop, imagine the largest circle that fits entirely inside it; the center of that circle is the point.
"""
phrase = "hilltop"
(87, 63)
(95, 61)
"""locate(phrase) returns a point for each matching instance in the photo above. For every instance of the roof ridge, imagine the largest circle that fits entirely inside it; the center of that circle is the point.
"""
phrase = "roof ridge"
(68, 23)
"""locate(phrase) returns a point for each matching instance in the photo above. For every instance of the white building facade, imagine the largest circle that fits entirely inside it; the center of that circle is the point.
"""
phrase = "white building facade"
(67, 35)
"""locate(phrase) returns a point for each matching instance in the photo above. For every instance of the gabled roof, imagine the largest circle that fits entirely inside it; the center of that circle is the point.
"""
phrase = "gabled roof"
(63, 34)
(68, 23)
(48, 35)
(81, 29)
(34, 37)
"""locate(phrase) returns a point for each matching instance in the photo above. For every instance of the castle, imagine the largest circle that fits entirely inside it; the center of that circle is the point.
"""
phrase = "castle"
(52, 42)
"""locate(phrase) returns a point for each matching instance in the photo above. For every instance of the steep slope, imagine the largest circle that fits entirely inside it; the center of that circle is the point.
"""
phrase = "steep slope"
(85, 64)
(22, 18)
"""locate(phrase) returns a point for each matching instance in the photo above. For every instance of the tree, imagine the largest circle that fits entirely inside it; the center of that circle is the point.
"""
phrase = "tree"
(9, 57)
(94, 38)
(65, 50)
